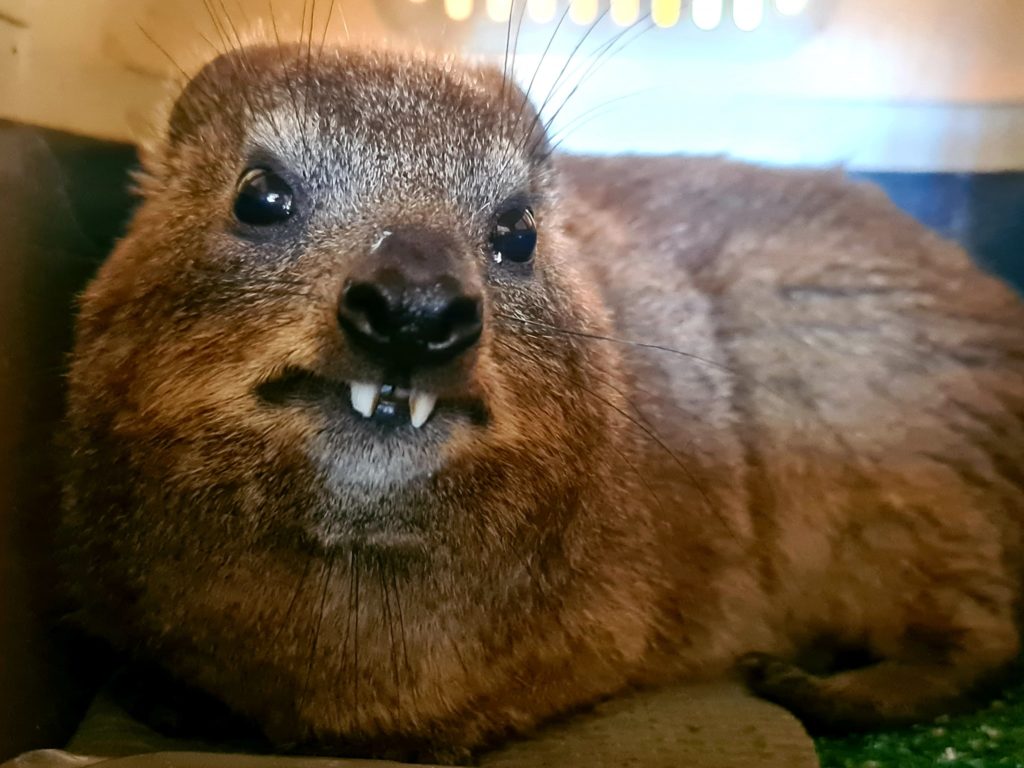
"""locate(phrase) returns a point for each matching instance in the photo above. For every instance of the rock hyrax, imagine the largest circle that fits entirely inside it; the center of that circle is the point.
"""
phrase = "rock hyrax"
(393, 430)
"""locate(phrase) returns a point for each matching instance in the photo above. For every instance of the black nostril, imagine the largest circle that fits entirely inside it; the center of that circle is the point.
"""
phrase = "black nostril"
(404, 323)
(368, 309)
(459, 322)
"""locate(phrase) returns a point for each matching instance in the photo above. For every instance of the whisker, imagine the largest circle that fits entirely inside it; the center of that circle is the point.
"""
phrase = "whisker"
(643, 480)
(185, 80)
(602, 55)
(565, 66)
(294, 601)
(515, 42)
(434, 577)
(345, 657)
(504, 63)
(646, 423)
(162, 50)
(309, 56)
(317, 626)
(645, 427)
(356, 636)
(615, 340)
(184, 75)
(583, 118)
(537, 69)
(385, 592)
(327, 28)
(287, 78)
(402, 633)
(246, 64)
(640, 417)
(344, 21)
(739, 376)
(230, 25)
(215, 20)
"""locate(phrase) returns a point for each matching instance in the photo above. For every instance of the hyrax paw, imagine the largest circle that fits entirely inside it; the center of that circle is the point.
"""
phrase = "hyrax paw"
(770, 676)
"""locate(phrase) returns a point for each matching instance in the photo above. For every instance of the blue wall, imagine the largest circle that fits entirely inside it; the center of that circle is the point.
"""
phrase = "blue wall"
(984, 212)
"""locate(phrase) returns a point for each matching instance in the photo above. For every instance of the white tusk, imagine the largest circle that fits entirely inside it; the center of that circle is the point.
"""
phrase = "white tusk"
(364, 397)
(421, 405)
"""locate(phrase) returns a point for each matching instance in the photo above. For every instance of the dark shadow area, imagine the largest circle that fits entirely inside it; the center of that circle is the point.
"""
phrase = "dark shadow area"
(63, 201)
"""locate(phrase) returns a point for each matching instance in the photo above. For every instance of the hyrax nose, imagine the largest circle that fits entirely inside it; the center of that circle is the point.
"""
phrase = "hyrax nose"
(405, 304)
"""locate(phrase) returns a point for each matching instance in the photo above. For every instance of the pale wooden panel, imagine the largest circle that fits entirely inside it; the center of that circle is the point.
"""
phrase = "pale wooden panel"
(90, 66)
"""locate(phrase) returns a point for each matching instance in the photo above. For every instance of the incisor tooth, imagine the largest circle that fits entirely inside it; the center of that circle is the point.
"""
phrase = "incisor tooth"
(364, 397)
(421, 405)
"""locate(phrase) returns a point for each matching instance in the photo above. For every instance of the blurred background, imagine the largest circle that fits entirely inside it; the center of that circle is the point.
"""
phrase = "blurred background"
(925, 97)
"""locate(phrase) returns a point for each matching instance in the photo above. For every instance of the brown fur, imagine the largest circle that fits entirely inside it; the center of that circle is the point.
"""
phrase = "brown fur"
(831, 452)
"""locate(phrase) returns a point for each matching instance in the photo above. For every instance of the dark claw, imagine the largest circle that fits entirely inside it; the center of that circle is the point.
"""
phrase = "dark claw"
(756, 667)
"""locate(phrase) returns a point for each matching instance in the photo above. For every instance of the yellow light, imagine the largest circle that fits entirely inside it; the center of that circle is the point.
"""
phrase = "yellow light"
(665, 12)
(748, 14)
(791, 7)
(418, 2)
(458, 10)
(541, 11)
(624, 12)
(707, 14)
(499, 10)
(583, 11)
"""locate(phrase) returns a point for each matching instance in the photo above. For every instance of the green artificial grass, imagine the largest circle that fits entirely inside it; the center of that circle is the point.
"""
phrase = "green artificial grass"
(990, 737)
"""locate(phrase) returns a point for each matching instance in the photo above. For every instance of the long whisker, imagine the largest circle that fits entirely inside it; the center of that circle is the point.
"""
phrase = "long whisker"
(293, 602)
(287, 77)
(434, 577)
(355, 658)
(614, 340)
(645, 427)
(640, 418)
(350, 613)
(645, 422)
(247, 67)
(561, 73)
(586, 117)
(740, 376)
(327, 27)
(218, 26)
(309, 61)
(317, 626)
(515, 43)
(389, 620)
(504, 63)
(402, 633)
(604, 54)
(537, 69)
(229, 26)
(162, 50)
(184, 75)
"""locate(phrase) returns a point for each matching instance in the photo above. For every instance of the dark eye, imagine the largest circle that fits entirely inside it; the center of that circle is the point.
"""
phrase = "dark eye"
(514, 236)
(263, 198)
